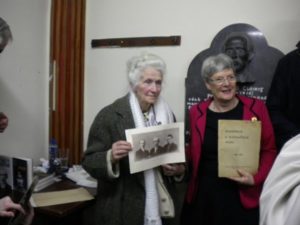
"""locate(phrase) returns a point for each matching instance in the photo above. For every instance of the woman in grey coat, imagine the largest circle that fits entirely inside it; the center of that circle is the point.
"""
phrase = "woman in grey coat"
(143, 198)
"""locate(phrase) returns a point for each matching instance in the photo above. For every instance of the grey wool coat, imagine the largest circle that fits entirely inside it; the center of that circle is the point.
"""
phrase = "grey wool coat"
(119, 201)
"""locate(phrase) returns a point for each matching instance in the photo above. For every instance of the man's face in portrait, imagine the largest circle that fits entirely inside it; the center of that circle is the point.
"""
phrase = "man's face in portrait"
(236, 48)
(142, 144)
(169, 139)
(155, 142)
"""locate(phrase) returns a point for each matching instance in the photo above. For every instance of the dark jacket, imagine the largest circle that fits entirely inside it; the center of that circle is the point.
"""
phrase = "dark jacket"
(283, 98)
(120, 201)
(249, 195)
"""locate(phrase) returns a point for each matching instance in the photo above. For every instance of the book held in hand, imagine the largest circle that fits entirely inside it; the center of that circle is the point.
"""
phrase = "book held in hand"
(6, 182)
(25, 203)
(238, 146)
(15, 174)
(22, 173)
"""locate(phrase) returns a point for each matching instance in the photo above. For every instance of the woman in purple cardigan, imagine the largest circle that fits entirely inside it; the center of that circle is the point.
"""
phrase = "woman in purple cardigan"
(213, 200)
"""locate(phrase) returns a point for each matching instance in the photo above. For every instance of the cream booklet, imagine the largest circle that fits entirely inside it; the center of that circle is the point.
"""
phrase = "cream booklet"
(238, 146)
(60, 197)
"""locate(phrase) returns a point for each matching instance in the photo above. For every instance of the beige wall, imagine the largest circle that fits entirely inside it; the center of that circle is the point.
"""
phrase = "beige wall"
(197, 21)
(24, 78)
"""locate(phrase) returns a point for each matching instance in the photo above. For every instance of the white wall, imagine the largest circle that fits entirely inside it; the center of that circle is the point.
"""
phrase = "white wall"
(197, 21)
(24, 78)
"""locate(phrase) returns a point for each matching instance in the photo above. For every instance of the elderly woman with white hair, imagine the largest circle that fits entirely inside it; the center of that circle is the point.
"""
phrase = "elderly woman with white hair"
(146, 197)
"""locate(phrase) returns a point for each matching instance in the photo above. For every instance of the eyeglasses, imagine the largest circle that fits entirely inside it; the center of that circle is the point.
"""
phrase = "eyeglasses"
(221, 80)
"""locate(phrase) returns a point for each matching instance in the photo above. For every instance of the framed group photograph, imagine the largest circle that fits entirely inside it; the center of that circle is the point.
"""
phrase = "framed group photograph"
(155, 146)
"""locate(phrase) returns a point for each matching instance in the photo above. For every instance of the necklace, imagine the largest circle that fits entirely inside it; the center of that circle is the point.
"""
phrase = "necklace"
(223, 108)
(146, 116)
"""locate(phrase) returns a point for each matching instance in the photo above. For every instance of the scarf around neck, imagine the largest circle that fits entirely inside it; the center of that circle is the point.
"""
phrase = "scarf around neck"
(160, 113)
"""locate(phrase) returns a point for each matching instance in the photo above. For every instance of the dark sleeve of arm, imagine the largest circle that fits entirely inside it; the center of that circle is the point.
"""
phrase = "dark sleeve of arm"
(277, 103)
(94, 159)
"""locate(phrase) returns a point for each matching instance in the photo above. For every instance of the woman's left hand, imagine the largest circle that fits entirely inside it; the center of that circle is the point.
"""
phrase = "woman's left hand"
(173, 169)
(245, 178)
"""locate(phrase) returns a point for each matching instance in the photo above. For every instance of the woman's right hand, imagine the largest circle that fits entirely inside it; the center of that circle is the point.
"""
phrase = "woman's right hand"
(8, 207)
(120, 150)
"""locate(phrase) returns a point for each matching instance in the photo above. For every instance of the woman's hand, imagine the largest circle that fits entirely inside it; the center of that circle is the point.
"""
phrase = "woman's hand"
(173, 169)
(245, 178)
(8, 207)
(120, 149)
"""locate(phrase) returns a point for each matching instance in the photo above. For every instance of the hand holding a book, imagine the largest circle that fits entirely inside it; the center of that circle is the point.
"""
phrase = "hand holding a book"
(8, 209)
(244, 177)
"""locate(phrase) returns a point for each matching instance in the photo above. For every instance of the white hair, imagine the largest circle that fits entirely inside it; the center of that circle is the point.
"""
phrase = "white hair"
(137, 64)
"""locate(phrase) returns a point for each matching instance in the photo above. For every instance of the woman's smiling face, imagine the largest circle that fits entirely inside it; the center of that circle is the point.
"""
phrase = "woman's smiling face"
(222, 85)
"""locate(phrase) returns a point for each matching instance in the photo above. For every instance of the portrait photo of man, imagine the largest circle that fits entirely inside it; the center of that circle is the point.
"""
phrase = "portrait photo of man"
(142, 152)
(170, 146)
(157, 149)
(239, 47)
